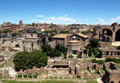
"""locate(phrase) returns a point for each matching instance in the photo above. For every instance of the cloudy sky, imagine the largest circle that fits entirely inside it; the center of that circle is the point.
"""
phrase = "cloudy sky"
(60, 11)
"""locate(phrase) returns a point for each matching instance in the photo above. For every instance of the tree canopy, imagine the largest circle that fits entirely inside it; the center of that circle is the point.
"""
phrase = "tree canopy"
(50, 51)
(26, 60)
(15, 34)
(94, 42)
(6, 31)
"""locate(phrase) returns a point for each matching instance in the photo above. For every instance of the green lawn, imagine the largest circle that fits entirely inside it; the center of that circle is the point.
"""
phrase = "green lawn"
(8, 81)
(102, 70)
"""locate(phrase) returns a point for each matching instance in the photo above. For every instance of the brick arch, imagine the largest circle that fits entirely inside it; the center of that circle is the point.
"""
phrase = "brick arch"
(117, 35)
(105, 34)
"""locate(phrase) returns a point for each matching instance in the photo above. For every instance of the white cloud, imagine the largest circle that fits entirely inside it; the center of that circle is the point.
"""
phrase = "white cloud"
(66, 15)
(115, 19)
(101, 21)
(40, 15)
(33, 20)
(81, 19)
(87, 19)
(62, 19)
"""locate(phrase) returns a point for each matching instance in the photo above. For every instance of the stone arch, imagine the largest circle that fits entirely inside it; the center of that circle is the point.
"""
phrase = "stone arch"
(117, 35)
(105, 35)
(108, 32)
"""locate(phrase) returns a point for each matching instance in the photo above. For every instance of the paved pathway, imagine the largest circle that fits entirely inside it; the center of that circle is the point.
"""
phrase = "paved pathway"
(99, 80)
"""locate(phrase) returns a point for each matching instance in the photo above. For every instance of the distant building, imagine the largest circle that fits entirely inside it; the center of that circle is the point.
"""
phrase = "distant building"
(20, 24)
(75, 43)
(34, 40)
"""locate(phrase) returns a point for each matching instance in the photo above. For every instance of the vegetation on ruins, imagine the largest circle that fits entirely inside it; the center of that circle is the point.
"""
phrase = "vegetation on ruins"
(113, 59)
(79, 56)
(52, 81)
(93, 48)
(15, 34)
(17, 45)
(65, 32)
(70, 56)
(50, 26)
(78, 76)
(94, 42)
(62, 49)
(118, 47)
(100, 53)
(20, 31)
(51, 32)
(51, 52)
(86, 32)
(98, 61)
(26, 60)
(6, 31)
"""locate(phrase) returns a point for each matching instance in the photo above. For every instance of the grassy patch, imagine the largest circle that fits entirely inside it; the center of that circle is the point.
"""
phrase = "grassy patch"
(117, 65)
(95, 73)
(102, 70)
(91, 82)
(108, 68)
(8, 81)
(1, 66)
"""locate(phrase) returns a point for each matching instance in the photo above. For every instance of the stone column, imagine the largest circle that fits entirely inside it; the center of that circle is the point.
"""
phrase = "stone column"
(113, 37)
(53, 76)
(27, 75)
(38, 76)
(109, 53)
(87, 52)
(32, 76)
(43, 76)
(105, 53)
(82, 51)
(48, 76)
(58, 76)
(63, 77)
(22, 76)
(116, 53)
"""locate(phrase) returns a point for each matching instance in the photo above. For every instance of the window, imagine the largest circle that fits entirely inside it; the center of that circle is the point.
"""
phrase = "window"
(31, 35)
(32, 45)
(112, 81)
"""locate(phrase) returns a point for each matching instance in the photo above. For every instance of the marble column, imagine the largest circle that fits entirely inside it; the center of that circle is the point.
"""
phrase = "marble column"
(53, 76)
(22, 76)
(82, 51)
(105, 53)
(87, 52)
(58, 76)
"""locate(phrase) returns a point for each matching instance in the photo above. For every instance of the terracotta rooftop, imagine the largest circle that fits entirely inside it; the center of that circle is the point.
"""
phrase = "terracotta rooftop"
(82, 35)
(61, 36)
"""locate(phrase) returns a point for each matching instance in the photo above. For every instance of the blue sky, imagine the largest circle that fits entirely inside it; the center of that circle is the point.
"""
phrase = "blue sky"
(60, 11)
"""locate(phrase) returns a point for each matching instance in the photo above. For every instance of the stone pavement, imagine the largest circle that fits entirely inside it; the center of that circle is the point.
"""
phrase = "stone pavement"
(99, 80)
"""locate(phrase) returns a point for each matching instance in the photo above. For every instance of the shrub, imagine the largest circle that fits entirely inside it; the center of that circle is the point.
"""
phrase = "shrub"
(79, 56)
(118, 47)
(94, 42)
(70, 56)
(17, 45)
(78, 76)
(100, 53)
(20, 75)
(98, 61)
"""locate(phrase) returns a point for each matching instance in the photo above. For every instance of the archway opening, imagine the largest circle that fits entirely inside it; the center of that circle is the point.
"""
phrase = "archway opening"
(117, 38)
(106, 35)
